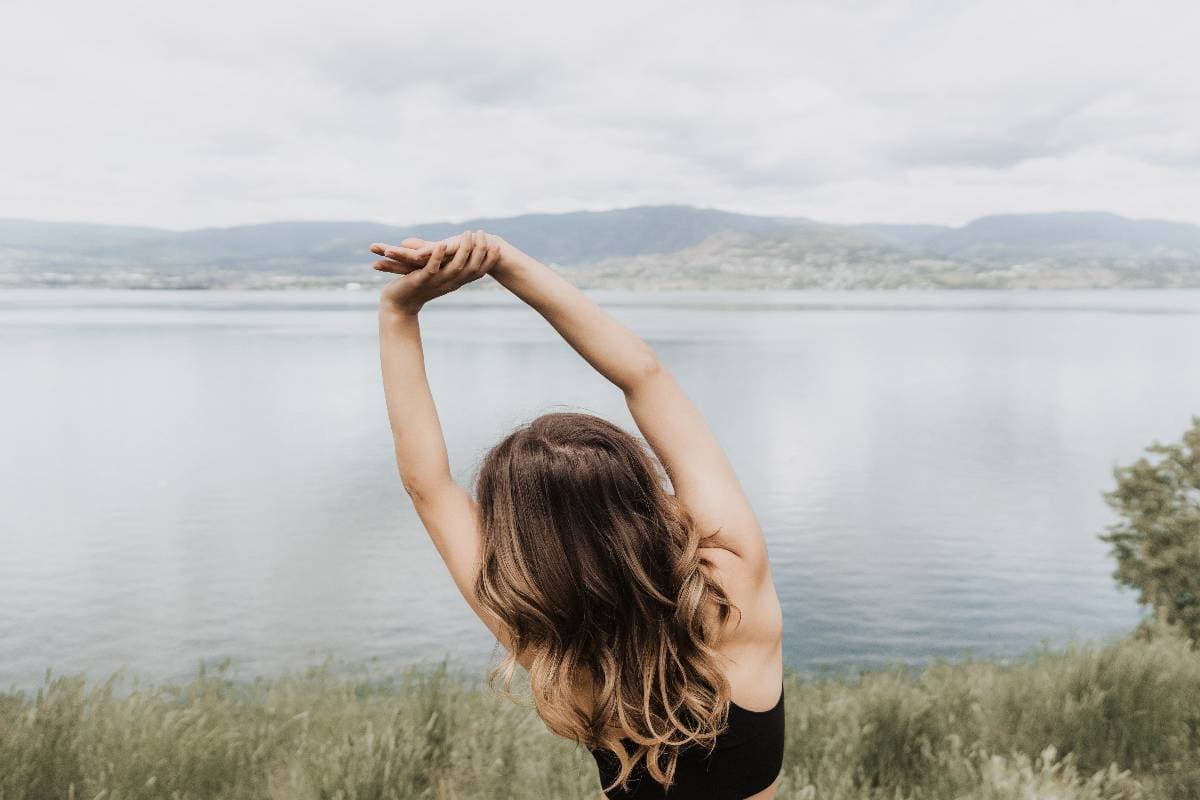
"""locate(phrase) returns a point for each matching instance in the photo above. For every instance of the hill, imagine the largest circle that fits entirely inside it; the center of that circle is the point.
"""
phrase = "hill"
(643, 247)
(323, 247)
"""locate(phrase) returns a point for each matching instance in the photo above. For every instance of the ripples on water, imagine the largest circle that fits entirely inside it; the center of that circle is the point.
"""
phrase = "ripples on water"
(192, 476)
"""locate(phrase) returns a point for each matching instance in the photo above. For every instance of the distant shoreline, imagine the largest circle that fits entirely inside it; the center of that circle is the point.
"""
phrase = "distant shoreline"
(589, 279)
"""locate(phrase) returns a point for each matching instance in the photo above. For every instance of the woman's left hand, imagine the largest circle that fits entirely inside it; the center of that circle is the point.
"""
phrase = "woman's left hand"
(474, 254)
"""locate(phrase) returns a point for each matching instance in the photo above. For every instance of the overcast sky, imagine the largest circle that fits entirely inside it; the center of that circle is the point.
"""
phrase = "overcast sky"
(216, 113)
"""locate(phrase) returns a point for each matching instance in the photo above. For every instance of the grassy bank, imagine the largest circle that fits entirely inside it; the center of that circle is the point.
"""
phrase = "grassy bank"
(1121, 721)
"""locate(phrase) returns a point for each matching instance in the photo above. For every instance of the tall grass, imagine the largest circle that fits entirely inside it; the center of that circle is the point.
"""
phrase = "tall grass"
(1090, 723)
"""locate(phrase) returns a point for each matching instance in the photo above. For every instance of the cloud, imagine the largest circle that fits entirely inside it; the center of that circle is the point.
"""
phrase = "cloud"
(847, 111)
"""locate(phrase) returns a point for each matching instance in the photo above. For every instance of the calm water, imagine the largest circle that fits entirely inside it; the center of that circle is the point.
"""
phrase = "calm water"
(193, 476)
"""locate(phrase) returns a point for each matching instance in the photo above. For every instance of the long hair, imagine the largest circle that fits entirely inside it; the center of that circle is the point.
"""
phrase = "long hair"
(593, 569)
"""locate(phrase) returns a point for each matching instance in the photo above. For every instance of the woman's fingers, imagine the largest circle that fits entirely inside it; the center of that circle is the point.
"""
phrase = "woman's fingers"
(478, 254)
(380, 249)
(469, 254)
(409, 249)
(460, 255)
(435, 259)
(495, 246)
(399, 268)
(401, 253)
(398, 261)
(417, 258)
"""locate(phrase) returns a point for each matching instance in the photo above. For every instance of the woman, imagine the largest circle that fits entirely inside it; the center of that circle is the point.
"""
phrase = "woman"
(647, 619)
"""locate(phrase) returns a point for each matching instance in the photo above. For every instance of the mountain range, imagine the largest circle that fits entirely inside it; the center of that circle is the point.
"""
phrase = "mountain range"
(649, 247)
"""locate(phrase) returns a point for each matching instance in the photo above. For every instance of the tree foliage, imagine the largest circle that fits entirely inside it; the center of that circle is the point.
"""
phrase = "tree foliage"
(1157, 542)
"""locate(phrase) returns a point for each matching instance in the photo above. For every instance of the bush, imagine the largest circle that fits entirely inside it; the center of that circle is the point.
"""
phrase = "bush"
(1157, 542)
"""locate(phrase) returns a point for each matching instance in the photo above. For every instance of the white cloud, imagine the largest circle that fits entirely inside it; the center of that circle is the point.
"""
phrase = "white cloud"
(241, 112)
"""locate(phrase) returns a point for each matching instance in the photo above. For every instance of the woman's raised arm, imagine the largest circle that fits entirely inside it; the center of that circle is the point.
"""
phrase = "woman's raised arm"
(703, 479)
(416, 431)
(445, 508)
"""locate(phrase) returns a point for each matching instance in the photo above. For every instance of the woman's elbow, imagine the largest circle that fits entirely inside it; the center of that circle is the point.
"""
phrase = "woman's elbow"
(643, 370)
(420, 490)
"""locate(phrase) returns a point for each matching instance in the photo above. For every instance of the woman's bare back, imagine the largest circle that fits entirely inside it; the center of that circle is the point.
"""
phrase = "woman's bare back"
(752, 640)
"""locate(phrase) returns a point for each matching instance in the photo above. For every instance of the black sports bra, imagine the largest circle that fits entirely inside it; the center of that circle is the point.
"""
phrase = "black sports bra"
(747, 758)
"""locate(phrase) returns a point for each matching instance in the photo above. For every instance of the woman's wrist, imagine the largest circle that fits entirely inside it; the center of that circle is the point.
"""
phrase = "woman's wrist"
(391, 310)
(512, 261)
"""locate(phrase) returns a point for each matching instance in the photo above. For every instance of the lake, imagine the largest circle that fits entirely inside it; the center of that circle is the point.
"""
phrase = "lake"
(193, 476)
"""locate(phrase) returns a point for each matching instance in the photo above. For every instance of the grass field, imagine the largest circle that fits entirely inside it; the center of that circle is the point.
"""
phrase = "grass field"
(1092, 722)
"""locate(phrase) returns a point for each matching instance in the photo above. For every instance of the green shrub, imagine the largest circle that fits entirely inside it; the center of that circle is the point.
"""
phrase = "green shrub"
(1157, 542)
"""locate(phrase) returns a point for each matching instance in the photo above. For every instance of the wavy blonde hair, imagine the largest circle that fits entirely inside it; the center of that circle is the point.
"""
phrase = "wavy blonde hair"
(594, 570)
